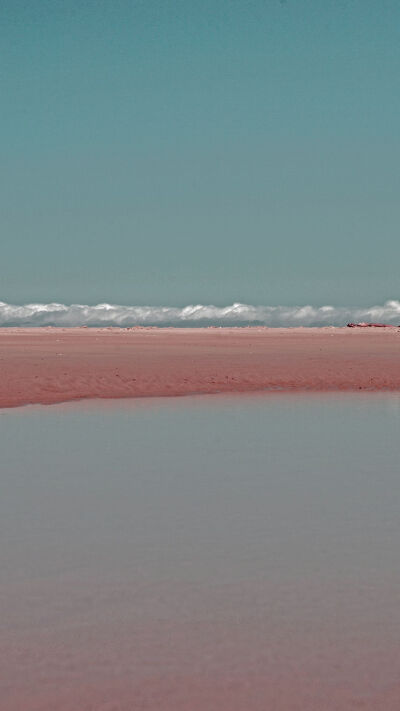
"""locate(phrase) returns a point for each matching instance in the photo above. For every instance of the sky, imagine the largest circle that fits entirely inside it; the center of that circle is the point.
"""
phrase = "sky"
(200, 152)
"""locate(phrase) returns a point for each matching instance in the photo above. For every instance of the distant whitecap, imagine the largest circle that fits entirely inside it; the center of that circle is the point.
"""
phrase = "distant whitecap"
(55, 314)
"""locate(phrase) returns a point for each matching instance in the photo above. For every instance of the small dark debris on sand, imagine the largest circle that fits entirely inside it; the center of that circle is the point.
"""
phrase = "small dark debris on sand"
(370, 325)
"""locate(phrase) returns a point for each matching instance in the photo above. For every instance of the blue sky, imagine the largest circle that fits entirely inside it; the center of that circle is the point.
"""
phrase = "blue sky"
(179, 152)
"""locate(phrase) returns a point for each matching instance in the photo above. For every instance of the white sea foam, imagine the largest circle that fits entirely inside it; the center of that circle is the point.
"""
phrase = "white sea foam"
(237, 314)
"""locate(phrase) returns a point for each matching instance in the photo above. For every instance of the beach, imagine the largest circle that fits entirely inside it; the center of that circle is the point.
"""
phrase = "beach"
(201, 554)
(51, 365)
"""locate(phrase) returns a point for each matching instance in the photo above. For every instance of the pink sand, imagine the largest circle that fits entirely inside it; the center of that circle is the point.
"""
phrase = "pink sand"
(49, 365)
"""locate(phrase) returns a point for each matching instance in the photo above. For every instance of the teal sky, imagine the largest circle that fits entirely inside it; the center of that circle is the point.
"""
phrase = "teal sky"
(214, 151)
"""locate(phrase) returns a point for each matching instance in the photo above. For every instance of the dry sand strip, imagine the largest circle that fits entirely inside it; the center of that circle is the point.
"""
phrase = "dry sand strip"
(50, 365)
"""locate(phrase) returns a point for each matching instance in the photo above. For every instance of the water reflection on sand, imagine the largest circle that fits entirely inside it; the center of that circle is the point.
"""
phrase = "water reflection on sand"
(201, 553)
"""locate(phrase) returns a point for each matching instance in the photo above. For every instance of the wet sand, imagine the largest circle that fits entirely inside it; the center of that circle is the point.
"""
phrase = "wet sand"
(50, 365)
(201, 554)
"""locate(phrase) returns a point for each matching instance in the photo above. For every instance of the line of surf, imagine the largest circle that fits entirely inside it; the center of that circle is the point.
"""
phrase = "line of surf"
(237, 314)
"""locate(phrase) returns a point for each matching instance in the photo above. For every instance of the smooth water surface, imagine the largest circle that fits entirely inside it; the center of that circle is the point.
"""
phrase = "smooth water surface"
(201, 554)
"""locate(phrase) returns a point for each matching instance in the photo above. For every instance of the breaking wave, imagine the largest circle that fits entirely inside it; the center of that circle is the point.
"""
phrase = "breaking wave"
(235, 315)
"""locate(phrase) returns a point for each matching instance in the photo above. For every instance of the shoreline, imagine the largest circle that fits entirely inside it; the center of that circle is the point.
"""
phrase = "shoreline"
(48, 365)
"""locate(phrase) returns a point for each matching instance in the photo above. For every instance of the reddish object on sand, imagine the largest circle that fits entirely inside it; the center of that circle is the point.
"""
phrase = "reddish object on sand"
(370, 325)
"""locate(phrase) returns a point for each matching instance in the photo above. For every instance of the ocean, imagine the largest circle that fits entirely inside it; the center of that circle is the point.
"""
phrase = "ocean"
(237, 314)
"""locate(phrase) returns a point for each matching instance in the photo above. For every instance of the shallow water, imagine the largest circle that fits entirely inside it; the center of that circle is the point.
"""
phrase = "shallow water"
(193, 554)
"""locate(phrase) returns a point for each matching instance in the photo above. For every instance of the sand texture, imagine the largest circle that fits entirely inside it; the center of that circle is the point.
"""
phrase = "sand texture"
(50, 365)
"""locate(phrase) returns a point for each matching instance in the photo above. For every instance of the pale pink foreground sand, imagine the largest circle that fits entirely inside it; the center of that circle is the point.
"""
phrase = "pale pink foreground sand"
(91, 656)
(49, 365)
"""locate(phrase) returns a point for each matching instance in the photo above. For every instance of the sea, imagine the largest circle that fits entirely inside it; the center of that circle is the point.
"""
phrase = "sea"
(195, 315)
